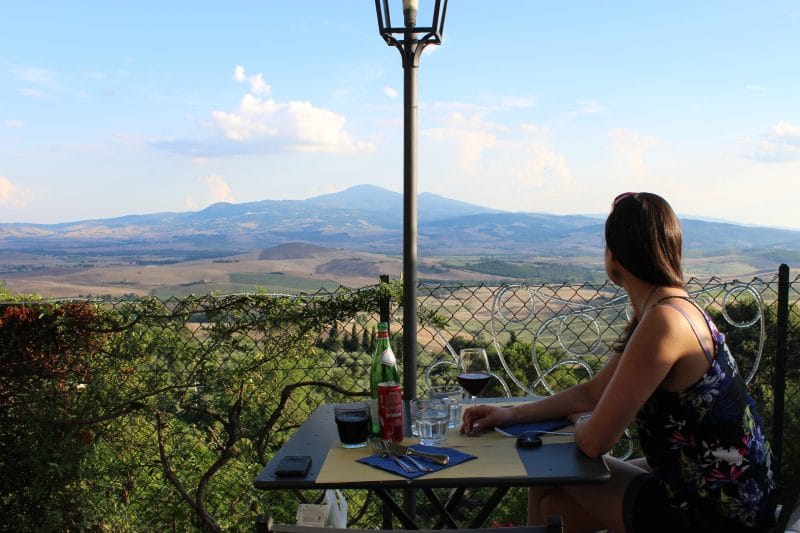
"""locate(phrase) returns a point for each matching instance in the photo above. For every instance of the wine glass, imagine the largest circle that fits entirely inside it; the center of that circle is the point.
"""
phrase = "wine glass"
(475, 374)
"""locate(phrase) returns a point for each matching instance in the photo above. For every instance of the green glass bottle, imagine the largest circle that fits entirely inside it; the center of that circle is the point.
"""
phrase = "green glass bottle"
(384, 369)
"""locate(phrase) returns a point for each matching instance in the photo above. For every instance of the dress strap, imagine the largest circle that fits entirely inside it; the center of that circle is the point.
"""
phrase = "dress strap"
(709, 355)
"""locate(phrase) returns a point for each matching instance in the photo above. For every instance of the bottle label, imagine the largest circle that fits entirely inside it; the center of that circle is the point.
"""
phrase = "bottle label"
(387, 357)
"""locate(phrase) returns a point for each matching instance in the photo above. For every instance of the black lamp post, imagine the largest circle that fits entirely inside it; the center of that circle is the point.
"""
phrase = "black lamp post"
(410, 39)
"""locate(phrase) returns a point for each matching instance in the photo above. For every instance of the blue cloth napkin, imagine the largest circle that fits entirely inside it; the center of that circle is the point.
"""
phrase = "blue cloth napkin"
(534, 428)
(388, 464)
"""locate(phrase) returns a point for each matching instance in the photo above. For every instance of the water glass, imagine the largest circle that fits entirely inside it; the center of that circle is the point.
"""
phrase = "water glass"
(353, 424)
(454, 393)
(431, 417)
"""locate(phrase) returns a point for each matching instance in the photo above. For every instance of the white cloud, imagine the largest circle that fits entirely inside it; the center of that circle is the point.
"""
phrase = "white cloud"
(12, 196)
(96, 75)
(504, 100)
(390, 92)
(488, 103)
(754, 88)
(467, 136)
(464, 108)
(517, 102)
(34, 93)
(215, 189)
(535, 129)
(491, 164)
(543, 168)
(587, 107)
(218, 188)
(780, 144)
(626, 139)
(15, 123)
(261, 125)
(787, 131)
(39, 83)
(257, 84)
(296, 126)
(630, 148)
(318, 190)
(32, 75)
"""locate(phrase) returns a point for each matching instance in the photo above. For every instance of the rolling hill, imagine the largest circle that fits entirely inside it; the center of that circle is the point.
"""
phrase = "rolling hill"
(364, 218)
(348, 237)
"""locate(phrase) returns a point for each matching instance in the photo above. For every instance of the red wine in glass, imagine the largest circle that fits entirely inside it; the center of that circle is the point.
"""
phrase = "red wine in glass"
(475, 373)
(473, 382)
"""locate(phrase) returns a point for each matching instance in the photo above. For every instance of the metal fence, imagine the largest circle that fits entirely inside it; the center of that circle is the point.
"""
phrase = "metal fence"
(142, 414)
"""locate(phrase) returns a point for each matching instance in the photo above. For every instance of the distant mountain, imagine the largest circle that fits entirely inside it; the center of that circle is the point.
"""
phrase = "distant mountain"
(368, 218)
(700, 234)
(370, 198)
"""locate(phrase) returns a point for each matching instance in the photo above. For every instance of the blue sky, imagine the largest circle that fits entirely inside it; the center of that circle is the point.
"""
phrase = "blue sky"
(115, 108)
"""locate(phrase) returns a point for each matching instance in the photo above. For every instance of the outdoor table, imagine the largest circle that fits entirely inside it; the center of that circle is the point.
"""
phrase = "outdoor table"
(499, 465)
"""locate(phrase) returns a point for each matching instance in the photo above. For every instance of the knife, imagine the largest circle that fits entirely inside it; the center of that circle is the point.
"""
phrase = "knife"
(399, 449)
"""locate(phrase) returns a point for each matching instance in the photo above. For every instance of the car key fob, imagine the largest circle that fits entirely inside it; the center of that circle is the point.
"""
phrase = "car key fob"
(528, 440)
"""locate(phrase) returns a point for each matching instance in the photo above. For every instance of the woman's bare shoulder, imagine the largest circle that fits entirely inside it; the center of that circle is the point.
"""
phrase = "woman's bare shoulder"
(677, 333)
(667, 332)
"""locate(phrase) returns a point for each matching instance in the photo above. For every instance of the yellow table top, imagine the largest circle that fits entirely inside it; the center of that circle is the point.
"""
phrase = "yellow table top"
(496, 456)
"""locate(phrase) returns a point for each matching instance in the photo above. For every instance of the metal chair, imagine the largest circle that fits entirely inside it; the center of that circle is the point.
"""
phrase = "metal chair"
(554, 525)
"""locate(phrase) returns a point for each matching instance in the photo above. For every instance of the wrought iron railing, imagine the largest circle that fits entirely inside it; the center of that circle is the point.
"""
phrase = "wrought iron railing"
(143, 414)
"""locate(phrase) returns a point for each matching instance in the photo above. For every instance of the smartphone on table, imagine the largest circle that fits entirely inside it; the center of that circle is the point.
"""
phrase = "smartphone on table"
(293, 466)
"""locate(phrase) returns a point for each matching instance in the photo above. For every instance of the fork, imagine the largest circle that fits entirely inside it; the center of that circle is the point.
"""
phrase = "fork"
(378, 449)
(388, 449)
(406, 452)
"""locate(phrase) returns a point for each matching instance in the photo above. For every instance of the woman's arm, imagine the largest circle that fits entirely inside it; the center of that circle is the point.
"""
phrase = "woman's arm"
(576, 399)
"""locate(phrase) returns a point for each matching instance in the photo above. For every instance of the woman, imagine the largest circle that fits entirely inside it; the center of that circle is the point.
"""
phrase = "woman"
(708, 463)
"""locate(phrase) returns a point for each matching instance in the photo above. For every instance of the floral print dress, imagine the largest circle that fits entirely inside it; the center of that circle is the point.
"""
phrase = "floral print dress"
(706, 443)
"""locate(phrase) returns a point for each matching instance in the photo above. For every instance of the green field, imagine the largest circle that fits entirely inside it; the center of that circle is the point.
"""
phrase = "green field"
(278, 280)
(242, 282)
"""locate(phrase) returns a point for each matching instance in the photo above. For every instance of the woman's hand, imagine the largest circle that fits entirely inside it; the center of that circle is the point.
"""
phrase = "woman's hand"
(482, 418)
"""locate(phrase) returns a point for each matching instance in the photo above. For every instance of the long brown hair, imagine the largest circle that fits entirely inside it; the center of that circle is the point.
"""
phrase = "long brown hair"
(644, 235)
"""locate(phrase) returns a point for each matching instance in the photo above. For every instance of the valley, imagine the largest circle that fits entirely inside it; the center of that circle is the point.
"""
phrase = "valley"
(296, 268)
(346, 239)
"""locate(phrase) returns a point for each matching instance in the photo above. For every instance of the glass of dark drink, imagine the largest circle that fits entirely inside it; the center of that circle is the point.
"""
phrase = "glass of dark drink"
(475, 373)
(352, 422)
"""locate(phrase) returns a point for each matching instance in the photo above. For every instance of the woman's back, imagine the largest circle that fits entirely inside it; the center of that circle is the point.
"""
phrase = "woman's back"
(706, 442)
